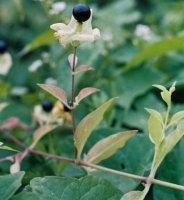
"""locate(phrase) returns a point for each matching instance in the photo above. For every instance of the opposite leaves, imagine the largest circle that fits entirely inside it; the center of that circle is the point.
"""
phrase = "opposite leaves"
(87, 125)
(108, 146)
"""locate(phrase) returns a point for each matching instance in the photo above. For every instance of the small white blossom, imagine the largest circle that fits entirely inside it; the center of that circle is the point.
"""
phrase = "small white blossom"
(5, 63)
(35, 65)
(75, 33)
(143, 32)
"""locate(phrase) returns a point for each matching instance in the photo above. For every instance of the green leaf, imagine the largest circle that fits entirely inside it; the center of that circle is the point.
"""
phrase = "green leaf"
(171, 170)
(58, 188)
(40, 132)
(44, 38)
(165, 94)
(134, 158)
(156, 49)
(88, 124)
(133, 195)
(7, 148)
(168, 143)
(155, 113)
(176, 117)
(108, 146)
(9, 184)
(156, 132)
(55, 91)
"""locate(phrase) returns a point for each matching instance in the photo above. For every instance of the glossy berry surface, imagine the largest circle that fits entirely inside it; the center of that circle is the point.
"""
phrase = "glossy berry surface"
(47, 105)
(3, 46)
(81, 12)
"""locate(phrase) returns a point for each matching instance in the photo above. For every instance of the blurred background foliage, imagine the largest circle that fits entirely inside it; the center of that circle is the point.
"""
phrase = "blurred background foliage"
(141, 44)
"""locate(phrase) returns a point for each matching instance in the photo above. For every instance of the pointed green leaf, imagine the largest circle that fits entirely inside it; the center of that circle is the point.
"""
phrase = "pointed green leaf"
(44, 38)
(7, 148)
(108, 146)
(42, 131)
(176, 117)
(156, 132)
(88, 124)
(55, 91)
(9, 184)
(155, 113)
(165, 94)
(156, 49)
(133, 195)
(169, 142)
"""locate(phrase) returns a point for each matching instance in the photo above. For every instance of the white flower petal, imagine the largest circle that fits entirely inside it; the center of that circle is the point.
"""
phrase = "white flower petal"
(58, 26)
(75, 33)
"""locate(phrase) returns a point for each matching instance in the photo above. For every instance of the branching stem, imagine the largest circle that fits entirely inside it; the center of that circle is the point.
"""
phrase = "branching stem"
(97, 167)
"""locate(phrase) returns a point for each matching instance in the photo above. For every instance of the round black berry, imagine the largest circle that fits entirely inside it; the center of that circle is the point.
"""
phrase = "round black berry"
(66, 109)
(81, 12)
(3, 46)
(47, 105)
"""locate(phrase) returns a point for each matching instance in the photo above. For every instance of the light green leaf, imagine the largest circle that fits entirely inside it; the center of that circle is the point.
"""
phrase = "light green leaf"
(156, 49)
(108, 146)
(9, 184)
(165, 94)
(169, 142)
(88, 124)
(133, 195)
(58, 188)
(156, 132)
(156, 114)
(55, 91)
(7, 148)
(45, 38)
(176, 117)
(171, 170)
(40, 132)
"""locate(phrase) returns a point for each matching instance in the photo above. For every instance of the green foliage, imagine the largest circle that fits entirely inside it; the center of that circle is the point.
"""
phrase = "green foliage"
(9, 184)
(108, 146)
(69, 188)
(126, 65)
(88, 124)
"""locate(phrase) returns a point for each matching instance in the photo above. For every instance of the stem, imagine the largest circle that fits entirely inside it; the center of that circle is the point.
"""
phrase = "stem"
(105, 169)
(148, 180)
(73, 95)
(167, 116)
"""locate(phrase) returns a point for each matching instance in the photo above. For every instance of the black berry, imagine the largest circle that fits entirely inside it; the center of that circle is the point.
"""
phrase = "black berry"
(66, 109)
(3, 46)
(81, 12)
(47, 105)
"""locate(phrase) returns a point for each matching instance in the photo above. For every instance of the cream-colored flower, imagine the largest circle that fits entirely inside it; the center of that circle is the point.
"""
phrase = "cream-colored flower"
(75, 33)
(5, 63)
